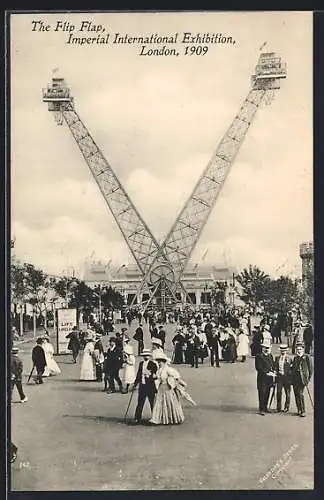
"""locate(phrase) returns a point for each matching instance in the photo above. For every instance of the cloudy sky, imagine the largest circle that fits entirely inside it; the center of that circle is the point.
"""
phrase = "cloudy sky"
(158, 120)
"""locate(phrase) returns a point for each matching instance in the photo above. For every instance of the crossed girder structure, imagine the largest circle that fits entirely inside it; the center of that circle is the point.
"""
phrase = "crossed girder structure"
(162, 266)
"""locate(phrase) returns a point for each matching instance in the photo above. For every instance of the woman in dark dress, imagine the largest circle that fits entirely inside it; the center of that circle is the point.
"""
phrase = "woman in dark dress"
(232, 346)
(257, 341)
(178, 341)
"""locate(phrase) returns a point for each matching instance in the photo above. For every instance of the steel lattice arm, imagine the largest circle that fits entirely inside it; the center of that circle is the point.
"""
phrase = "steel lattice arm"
(140, 240)
(184, 234)
(136, 233)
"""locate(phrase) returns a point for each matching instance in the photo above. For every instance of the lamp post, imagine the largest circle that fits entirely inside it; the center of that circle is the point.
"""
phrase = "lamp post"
(98, 294)
(33, 301)
(100, 313)
(24, 300)
(232, 293)
(53, 302)
(20, 308)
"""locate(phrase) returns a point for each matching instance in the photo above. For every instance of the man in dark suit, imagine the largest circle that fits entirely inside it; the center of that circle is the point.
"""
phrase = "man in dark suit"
(145, 381)
(195, 344)
(283, 371)
(161, 335)
(265, 367)
(139, 337)
(257, 340)
(213, 342)
(39, 360)
(308, 337)
(112, 364)
(74, 343)
(17, 373)
(302, 370)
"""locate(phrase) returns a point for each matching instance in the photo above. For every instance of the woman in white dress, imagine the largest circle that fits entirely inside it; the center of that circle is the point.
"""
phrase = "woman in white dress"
(88, 365)
(128, 373)
(267, 335)
(51, 367)
(243, 345)
(167, 407)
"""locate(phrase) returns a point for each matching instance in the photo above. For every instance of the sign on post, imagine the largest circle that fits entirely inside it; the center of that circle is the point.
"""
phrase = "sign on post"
(66, 320)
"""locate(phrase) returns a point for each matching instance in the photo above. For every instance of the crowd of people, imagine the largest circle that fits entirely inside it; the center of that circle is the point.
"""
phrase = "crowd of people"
(109, 357)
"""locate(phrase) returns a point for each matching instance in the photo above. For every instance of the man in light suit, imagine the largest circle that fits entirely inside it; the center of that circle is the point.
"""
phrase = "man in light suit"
(145, 379)
(283, 371)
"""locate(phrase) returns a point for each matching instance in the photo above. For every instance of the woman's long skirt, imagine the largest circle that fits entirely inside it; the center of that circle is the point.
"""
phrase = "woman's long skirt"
(167, 407)
(178, 354)
(88, 368)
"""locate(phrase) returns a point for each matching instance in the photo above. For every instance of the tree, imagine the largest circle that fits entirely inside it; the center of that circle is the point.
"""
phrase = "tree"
(85, 299)
(28, 285)
(110, 298)
(254, 284)
(76, 293)
(17, 283)
(36, 285)
(281, 295)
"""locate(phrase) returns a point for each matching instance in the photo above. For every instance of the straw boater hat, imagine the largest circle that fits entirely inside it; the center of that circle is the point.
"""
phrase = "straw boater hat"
(267, 327)
(283, 347)
(146, 352)
(14, 350)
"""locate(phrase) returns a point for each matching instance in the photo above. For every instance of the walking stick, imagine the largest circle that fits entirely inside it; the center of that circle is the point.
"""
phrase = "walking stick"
(272, 395)
(310, 397)
(129, 402)
(30, 375)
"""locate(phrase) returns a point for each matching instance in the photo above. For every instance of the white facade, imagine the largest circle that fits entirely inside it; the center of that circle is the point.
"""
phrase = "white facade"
(197, 280)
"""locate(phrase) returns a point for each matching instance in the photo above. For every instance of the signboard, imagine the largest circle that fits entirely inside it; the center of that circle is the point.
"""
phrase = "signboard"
(66, 320)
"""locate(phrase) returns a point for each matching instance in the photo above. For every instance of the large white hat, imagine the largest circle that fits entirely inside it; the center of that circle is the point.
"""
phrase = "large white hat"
(128, 349)
(156, 341)
(162, 356)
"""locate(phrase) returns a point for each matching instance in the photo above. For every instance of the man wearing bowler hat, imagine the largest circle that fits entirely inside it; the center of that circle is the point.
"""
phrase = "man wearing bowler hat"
(111, 366)
(146, 384)
(17, 373)
(265, 367)
(39, 360)
(283, 371)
